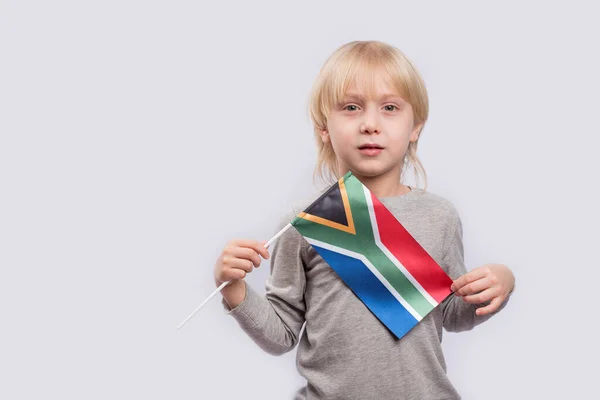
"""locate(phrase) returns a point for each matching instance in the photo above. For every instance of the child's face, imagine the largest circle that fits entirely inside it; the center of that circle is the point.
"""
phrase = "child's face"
(370, 134)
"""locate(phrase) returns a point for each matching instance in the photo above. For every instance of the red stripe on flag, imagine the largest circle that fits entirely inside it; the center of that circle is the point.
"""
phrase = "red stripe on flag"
(409, 252)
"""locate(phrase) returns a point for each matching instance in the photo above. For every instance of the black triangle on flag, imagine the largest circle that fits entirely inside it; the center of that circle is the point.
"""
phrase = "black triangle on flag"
(332, 209)
(330, 206)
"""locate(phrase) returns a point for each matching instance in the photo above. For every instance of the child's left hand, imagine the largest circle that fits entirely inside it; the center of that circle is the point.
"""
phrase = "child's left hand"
(490, 282)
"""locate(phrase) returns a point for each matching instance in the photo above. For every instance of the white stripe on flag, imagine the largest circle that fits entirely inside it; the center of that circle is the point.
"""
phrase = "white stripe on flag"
(389, 254)
(374, 270)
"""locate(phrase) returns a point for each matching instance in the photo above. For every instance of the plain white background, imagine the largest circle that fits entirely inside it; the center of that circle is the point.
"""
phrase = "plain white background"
(137, 137)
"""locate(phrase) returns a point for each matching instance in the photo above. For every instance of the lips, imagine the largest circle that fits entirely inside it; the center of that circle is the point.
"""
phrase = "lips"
(370, 149)
(370, 146)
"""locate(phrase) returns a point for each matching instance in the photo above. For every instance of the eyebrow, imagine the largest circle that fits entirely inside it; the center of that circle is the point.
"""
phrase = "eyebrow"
(385, 96)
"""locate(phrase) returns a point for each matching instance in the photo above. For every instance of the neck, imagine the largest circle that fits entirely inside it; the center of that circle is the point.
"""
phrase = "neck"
(384, 185)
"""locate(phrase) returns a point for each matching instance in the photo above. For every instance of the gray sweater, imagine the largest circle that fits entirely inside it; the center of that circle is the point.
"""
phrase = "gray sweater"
(345, 352)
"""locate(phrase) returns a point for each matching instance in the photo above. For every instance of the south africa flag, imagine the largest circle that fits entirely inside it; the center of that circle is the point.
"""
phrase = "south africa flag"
(374, 254)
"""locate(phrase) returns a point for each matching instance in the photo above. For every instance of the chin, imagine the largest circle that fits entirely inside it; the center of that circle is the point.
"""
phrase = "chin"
(368, 172)
(371, 169)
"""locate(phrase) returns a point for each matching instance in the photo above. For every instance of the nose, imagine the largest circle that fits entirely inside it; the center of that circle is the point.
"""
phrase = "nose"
(370, 122)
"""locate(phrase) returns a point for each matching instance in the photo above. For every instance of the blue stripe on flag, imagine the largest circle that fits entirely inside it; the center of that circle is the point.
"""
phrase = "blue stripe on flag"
(370, 291)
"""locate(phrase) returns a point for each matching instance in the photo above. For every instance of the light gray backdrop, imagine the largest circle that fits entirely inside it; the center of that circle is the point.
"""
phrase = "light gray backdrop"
(137, 137)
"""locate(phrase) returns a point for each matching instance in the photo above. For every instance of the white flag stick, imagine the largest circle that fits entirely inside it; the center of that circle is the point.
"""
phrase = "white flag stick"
(213, 294)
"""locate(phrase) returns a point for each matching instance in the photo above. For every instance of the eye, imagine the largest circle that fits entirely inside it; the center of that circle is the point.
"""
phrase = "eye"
(348, 107)
(391, 107)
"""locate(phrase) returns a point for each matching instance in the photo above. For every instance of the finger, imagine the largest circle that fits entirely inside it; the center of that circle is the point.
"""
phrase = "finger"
(490, 308)
(245, 253)
(482, 297)
(229, 262)
(467, 278)
(474, 287)
(240, 263)
(232, 274)
(259, 247)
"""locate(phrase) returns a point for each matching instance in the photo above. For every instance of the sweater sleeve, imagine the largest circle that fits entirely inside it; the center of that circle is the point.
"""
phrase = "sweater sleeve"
(459, 315)
(274, 321)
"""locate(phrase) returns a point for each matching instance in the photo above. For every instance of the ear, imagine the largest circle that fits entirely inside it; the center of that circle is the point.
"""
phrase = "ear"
(414, 135)
(325, 136)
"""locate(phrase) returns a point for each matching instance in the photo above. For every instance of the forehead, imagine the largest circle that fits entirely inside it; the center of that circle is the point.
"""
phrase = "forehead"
(371, 83)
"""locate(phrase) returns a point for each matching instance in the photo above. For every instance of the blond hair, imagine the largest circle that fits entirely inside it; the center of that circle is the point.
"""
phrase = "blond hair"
(360, 61)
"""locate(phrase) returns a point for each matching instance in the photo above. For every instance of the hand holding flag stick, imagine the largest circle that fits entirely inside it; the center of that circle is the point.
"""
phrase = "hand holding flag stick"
(213, 294)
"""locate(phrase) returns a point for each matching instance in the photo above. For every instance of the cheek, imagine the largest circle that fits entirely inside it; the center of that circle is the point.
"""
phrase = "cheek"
(340, 141)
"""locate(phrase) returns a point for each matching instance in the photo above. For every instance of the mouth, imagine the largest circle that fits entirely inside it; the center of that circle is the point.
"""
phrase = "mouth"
(370, 149)
(370, 146)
